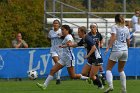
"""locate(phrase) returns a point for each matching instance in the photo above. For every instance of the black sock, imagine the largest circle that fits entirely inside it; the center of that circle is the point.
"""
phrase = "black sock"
(94, 81)
(97, 82)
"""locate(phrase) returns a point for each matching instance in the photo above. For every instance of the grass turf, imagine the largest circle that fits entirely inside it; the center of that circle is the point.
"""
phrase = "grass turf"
(68, 86)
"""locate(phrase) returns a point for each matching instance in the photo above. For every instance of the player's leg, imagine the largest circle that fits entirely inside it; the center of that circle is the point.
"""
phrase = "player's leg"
(86, 69)
(55, 58)
(114, 56)
(121, 65)
(71, 71)
(102, 74)
(94, 70)
(54, 69)
(109, 76)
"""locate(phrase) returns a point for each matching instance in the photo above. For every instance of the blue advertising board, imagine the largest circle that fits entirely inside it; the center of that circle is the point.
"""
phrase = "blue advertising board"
(15, 63)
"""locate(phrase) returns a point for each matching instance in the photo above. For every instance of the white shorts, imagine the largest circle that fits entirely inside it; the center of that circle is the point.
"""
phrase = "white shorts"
(68, 63)
(54, 54)
(55, 51)
(67, 59)
(119, 56)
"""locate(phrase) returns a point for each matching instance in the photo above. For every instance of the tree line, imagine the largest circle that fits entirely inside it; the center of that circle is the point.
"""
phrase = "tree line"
(26, 16)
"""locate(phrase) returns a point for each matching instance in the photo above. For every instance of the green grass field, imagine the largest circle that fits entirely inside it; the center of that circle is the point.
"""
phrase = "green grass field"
(68, 86)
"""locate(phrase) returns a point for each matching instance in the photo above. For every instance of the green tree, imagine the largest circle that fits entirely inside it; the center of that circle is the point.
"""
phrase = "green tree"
(25, 16)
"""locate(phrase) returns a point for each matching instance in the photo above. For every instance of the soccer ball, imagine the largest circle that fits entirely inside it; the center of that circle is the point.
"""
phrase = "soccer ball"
(100, 75)
(32, 75)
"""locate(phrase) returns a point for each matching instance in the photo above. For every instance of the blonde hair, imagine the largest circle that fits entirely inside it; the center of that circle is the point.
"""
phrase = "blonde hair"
(83, 29)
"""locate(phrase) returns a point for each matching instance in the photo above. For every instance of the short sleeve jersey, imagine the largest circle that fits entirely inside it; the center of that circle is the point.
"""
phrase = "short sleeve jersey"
(96, 38)
(55, 39)
(136, 26)
(122, 34)
(87, 42)
(68, 51)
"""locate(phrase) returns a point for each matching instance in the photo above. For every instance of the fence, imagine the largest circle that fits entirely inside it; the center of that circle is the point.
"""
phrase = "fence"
(61, 15)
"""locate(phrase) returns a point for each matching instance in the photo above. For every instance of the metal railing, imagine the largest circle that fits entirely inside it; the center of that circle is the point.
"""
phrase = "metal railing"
(95, 13)
(62, 13)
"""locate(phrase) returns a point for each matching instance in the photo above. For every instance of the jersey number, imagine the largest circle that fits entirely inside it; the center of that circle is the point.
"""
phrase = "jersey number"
(122, 37)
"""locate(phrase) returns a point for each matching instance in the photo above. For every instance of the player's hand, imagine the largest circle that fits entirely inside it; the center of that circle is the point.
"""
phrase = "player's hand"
(62, 46)
(69, 44)
(85, 57)
(20, 40)
(59, 34)
(106, 51)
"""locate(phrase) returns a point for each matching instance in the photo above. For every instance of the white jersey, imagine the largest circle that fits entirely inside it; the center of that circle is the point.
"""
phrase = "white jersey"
(136, 26)
(67, 53)
(55, 40)
(122, 33)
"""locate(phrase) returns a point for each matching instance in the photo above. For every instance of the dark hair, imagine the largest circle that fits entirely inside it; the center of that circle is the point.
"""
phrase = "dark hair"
(67, 27)
(83, 29)
(119, 18)
(57, 21)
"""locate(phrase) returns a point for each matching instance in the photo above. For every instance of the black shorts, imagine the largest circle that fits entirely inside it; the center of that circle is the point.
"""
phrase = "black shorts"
(94, 61)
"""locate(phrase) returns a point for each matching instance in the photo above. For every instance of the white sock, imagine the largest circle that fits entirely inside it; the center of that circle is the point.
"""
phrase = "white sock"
(109, 78)
(58, 74)
(83, 77)
(49, 78)
(123, 80)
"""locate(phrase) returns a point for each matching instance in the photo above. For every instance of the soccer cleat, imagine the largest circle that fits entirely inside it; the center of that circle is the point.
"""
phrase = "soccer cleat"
(102, 87)
(124, 91)
(42, 86)
(108, 90)
(89, 80)
(58, 82)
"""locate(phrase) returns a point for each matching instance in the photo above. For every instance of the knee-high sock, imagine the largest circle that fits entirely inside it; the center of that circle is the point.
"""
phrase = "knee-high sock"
(123, 80)
(109, 78)
(97, 82)
(49, 78)
(83, 77)
(58, 73)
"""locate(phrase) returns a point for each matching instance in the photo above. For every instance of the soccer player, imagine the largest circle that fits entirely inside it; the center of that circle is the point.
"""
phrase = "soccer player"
(92, 56)
(98, 39)
(119, 40)
(55, 37)
(136, 21)
(67, 59)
